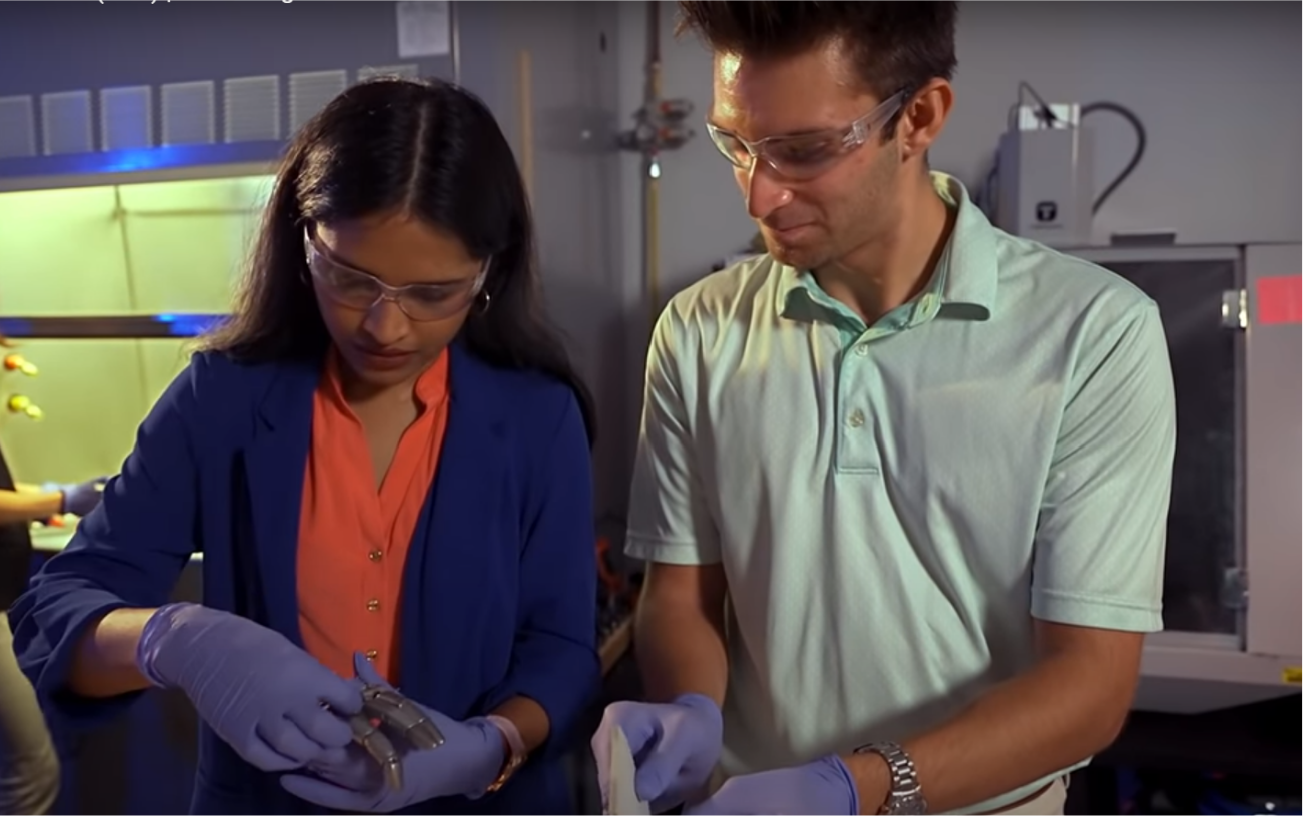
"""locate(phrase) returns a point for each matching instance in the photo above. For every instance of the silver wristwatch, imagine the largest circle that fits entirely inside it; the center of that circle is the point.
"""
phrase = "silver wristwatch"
(906, 796)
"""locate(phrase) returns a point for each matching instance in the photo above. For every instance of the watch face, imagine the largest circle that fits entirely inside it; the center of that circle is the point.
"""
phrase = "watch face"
(906, 804)
(909, 805)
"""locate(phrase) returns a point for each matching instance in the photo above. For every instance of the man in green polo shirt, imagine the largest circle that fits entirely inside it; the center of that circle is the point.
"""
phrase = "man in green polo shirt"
(902, 482)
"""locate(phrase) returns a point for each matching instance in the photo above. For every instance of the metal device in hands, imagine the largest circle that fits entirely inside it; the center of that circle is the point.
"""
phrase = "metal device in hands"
(387, 715)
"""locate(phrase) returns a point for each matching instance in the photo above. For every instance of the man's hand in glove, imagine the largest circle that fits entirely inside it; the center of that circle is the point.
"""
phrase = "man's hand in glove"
(824, 786)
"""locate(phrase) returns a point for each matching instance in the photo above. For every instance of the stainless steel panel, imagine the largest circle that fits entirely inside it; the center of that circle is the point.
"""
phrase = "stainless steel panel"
(1273, 532)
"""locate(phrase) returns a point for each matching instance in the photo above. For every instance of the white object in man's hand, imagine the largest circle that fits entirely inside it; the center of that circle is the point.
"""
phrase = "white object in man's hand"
(622, 801)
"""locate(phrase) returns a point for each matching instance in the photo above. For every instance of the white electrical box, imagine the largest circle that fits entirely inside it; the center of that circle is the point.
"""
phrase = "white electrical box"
(1046, 178)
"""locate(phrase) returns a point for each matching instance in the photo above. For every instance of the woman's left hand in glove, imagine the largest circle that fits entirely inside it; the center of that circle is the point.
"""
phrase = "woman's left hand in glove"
(468, 761)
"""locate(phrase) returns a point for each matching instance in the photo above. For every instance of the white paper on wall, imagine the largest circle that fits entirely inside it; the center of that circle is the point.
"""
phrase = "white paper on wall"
(424, 28)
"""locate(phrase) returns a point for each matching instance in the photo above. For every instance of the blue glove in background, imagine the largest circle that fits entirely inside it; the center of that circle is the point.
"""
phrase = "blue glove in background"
(469, 760)
(81, 499)
(261, 694)
(675, 747)
(824, 786)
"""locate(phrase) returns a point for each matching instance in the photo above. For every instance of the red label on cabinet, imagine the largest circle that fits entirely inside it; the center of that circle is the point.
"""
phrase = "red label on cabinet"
(1280, 300)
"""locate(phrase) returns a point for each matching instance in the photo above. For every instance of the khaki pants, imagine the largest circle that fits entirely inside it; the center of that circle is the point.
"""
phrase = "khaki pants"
(29, 767)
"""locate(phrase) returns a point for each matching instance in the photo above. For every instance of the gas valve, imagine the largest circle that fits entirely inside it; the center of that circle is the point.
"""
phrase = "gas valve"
(17, 362)
(659, 126)
(20, 404)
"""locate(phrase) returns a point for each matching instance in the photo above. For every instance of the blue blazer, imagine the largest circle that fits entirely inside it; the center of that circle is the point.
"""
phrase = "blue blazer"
(499, 586)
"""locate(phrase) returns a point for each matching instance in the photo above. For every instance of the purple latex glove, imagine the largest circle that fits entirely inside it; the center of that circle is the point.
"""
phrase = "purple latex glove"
(262, 694)
(81, 499)
(469, 760)
(824, 786)
(675, 747)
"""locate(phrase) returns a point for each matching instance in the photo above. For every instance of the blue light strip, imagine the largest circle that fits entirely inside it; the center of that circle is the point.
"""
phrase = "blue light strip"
(107, 327)
(142, 160)
(189, 325)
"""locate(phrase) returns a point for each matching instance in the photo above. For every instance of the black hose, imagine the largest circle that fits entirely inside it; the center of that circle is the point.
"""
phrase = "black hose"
(1141, 141)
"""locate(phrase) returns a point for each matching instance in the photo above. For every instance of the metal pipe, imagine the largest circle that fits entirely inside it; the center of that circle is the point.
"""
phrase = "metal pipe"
(652, 169)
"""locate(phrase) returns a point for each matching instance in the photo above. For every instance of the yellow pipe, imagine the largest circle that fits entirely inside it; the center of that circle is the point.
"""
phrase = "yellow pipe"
(653, 238)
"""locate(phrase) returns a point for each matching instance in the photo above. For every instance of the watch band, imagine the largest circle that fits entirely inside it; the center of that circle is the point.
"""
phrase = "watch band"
(906, 794)
(515, 754)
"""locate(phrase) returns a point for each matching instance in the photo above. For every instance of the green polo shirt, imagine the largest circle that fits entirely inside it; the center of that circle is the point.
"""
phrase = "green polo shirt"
(893, 504)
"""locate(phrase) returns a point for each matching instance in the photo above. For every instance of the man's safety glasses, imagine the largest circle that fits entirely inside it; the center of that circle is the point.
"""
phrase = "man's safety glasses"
(806, 155)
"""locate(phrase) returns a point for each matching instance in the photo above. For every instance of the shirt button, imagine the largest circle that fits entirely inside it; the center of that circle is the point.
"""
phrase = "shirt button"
(372, 605)
(372, 654)
(856, 419)
(862, 349)
(375, 555)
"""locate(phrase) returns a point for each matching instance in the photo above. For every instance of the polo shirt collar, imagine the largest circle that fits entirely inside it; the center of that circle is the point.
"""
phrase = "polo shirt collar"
(963, 285)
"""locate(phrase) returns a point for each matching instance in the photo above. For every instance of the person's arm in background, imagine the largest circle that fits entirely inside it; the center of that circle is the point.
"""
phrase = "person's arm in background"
(28, 503)
(21, 505)
(1097, 585)
(555, 666)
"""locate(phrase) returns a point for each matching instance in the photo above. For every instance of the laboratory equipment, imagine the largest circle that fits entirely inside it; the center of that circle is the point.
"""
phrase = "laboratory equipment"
(1047, 177)
(660, 124)
(1042, 183)
(385, 714)
(1232, 579)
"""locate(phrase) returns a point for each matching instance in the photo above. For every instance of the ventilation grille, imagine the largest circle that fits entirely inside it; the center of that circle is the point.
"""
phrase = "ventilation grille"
(252, 108)
(66, 123)
(311, 91)
(126, 118)
(404, 71)
(188, 113)
(17, 127)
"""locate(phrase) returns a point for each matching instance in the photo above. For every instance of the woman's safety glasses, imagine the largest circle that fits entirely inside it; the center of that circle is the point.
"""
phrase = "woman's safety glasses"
(360, 290)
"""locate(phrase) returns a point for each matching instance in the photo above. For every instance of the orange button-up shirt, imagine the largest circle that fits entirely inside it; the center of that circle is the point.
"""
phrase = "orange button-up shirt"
(353, 539)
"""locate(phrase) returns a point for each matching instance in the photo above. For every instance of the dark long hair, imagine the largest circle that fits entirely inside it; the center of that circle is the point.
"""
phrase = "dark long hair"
(430, 149)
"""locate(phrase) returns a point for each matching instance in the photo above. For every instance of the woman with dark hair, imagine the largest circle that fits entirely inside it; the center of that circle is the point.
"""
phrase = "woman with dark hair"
(384, 459)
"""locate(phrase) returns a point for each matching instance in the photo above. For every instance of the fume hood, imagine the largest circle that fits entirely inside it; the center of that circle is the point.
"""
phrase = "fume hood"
(104, 281)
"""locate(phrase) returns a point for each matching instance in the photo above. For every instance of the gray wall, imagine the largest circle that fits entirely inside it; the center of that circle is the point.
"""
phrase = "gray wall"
(1216, 84)
(47, 47)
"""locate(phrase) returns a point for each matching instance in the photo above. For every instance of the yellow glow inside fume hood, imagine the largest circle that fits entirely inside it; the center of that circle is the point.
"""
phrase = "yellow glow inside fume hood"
(104, 251)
